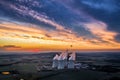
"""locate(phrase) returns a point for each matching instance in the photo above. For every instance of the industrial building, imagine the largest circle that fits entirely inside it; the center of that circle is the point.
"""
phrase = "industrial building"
(64, 61)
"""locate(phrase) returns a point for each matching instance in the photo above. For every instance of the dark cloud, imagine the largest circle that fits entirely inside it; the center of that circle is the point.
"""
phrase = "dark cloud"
(7, 12)
(47, 35)
(10, 46)
(36, 37)
(65, 13)
(103, 10)
(81, 31)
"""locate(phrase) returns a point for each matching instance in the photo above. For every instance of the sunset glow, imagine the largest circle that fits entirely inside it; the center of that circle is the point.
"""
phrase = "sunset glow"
(47, 34)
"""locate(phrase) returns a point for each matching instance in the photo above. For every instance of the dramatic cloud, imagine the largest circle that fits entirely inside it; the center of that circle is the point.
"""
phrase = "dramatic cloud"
(100, 30)
(55, 25)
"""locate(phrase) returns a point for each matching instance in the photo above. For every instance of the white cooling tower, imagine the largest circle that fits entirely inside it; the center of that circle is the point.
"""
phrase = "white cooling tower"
(71, 61)
(60, 62)
(65, 56)
(55, 61)
(73, 56)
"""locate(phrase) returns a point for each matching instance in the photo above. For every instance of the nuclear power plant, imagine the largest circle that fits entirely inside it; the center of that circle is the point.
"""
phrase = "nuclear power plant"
(64, 61)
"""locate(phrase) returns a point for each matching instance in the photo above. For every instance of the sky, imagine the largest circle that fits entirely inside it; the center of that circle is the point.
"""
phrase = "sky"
(58, 25)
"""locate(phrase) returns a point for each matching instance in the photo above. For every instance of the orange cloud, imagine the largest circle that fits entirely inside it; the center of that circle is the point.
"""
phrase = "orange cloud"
(100, 30)
(31, 37)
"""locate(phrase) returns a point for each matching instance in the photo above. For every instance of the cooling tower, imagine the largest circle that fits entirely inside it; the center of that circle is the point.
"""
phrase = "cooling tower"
(55, 61)
(65, 56)
(71, 61)
(60, 62)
